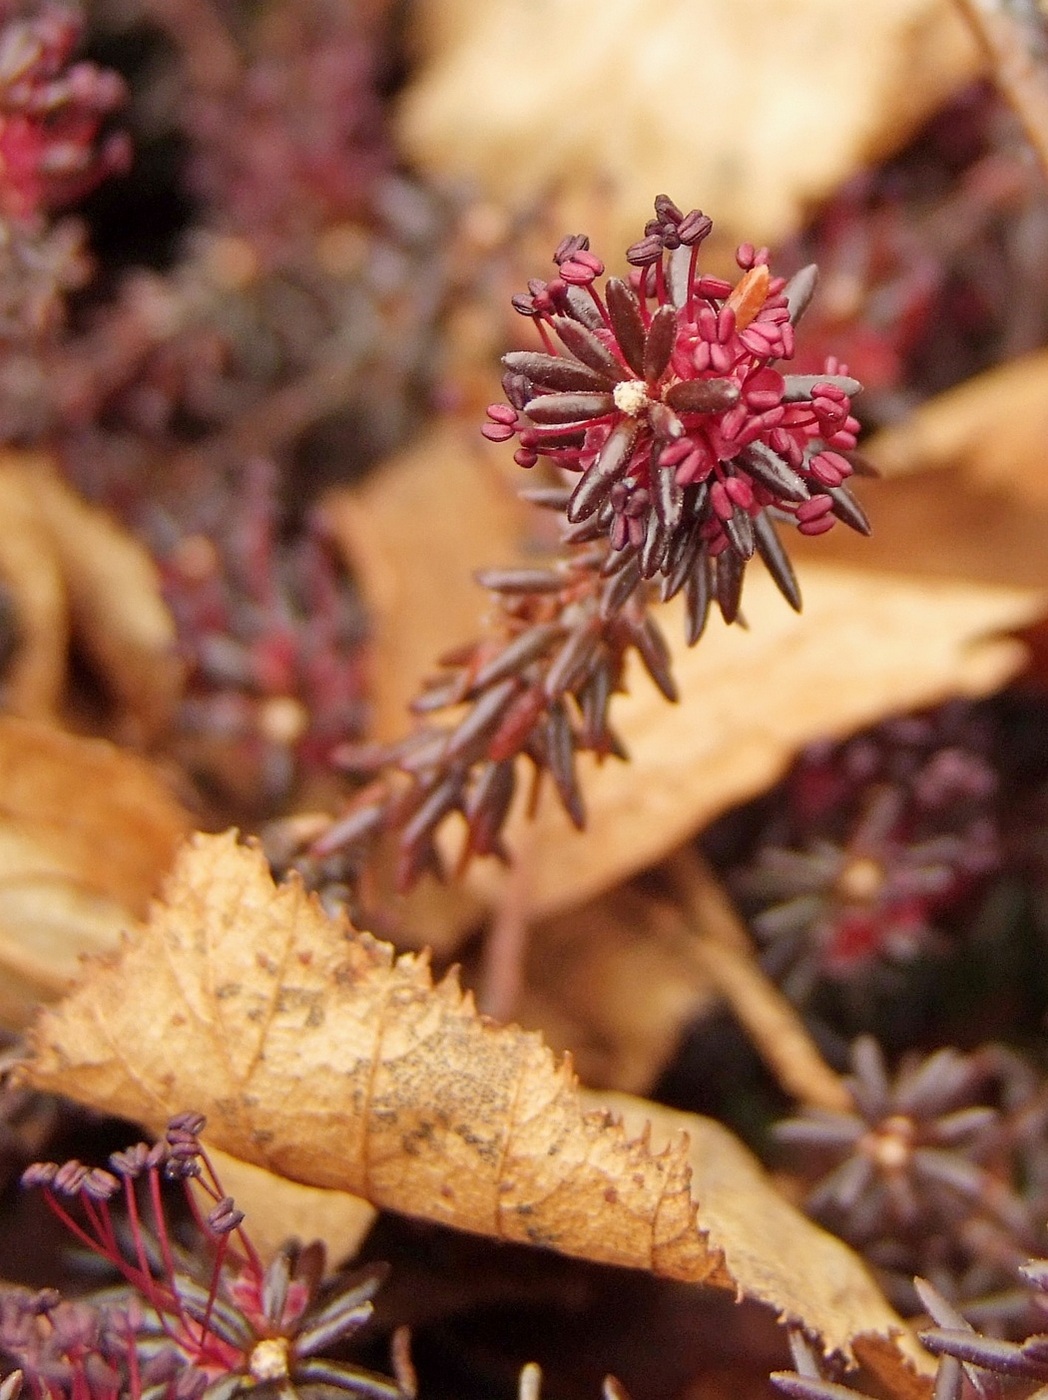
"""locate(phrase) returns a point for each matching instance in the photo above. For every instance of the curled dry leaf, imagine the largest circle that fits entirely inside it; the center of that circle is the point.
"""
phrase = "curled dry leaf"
(583, 972)
(318, 1054)
(754, 111)
(71, 570)
(278, 1210)
(86, 833)
(867, 644)
(749, 1223)
(994, 427)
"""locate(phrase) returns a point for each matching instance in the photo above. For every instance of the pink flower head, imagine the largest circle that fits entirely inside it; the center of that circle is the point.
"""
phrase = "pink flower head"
(661, 393)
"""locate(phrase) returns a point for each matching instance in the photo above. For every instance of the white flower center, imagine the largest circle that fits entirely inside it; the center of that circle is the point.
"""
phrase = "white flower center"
(269, 1359)
(890, 1144)
(631, 396)
(861, 880)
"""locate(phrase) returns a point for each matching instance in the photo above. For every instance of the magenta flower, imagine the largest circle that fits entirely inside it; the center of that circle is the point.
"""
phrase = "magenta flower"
(52, 111)
(662, 396)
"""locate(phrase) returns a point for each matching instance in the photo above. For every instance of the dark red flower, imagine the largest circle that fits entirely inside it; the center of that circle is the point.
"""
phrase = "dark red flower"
(51, 112)
(663, 397)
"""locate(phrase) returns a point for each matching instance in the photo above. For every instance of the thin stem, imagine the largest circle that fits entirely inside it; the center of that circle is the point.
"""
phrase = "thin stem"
(723, 949)
(693, 263)
(146, 1283)
(164, 1242)
(599, 305)
(102, 1223)
(133, 1373)
(71, 1225)
(506, 944)
(216, 1278)
(250, 1252)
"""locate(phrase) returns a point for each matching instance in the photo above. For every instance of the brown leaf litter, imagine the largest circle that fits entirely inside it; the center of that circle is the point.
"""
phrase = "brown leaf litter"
(318, 1054)
(75, 576)
(86, 834)
(756, 112)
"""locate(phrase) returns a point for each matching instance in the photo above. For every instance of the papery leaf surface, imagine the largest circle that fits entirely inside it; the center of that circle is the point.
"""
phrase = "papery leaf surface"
(320, 1055)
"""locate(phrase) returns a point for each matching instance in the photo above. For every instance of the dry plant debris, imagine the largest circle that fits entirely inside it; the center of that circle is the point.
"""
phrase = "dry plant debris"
(86, 833)
(74, 574)
(993, 427)
(868, 643)
(280, 1210)
(318, 1054)
(604, 116)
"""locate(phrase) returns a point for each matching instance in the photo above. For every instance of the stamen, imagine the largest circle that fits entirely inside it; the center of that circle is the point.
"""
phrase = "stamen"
(631, 397)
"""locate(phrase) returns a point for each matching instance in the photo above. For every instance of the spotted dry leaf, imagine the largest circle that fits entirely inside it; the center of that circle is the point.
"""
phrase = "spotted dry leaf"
(86, 834)
(753, 111)
(318, 1054)
(71, 571)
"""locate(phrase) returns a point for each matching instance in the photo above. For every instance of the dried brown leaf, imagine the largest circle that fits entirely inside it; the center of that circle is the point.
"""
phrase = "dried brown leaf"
(945, 528)
(116, 608)
(71, 569)
(583, 972)
(86, 832)
(758, 1233)
(35, 679)
(867, 644)
(966, 494)
(993, 427)
(318, 1054)
(414, 534)
(278, 1210)
(753, 111)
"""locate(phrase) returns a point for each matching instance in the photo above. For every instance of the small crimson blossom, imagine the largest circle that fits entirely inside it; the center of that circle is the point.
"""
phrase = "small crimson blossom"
(52, 110)
(663, 397)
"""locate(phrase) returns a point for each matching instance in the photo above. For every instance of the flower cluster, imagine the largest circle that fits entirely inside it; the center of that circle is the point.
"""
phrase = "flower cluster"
(51, 113)
(934, 1170)
(272, 638)
(216, 1325)
(882, 834)
(293, 140)
(663, 397)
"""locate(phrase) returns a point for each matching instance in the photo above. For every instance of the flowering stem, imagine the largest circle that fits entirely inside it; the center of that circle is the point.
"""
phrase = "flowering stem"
(160, 1228)
(144, 1281)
